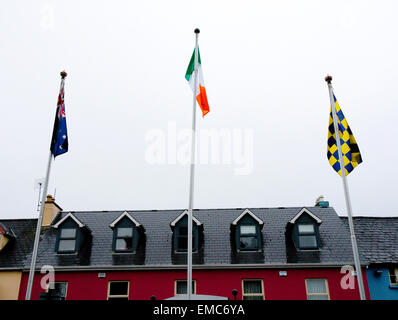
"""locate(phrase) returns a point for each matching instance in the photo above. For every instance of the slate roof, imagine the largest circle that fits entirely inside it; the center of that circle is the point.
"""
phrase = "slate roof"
(377, 238)
(15, 252)
(216, 250)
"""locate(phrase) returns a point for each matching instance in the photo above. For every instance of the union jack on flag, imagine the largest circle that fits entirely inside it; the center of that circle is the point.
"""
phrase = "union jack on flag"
(59, 141)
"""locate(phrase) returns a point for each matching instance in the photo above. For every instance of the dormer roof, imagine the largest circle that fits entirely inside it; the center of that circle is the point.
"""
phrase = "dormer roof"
(125, 214)
(175, 221)
(247, 211)
(305, 211)
(70, 216)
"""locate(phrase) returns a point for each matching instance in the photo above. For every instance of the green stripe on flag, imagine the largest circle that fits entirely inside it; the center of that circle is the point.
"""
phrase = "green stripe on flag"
(191, 66)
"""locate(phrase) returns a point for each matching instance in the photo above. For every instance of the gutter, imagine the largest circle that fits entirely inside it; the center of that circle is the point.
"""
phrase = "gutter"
(12, 269)
(197, 267)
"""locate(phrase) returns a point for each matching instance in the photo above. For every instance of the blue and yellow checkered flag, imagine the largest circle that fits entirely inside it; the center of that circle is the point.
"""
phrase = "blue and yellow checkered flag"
(349, 148)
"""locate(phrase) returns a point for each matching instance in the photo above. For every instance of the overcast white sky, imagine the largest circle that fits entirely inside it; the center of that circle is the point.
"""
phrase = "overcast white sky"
(264, 65)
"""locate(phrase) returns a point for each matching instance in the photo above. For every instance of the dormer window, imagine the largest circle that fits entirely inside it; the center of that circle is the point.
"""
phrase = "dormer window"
(246, 230)
(67, 240)
(180, 233)
(124, 239)
(71, 234)
(248, 237)
(307, 237)
(126, 233)
(181, 236)
(304, 229)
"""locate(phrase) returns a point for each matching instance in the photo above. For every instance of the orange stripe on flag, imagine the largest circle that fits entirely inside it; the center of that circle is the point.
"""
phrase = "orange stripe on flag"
(202, 100)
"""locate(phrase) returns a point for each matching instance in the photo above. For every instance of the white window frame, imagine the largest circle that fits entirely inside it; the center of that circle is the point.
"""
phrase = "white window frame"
(396, 276)
(182, 280)
(253, 294)
(124, 237)
(65, 238)
(118, 296)
(318, 294)
(66, 282)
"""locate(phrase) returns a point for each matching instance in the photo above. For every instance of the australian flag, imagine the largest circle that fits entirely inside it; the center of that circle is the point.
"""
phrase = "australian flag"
(59, 141)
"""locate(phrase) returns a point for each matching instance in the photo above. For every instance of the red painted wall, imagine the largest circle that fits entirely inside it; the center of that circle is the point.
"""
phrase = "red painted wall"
(144, 284)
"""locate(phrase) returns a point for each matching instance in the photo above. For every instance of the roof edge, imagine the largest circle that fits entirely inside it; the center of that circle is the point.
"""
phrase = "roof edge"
(202, 267)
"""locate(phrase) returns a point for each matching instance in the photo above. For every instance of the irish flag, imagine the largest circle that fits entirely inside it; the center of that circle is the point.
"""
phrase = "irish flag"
(201, 96)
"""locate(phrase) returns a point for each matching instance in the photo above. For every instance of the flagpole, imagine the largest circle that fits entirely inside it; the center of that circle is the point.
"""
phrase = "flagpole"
(328, 79)
(40, 220)
(192, 173)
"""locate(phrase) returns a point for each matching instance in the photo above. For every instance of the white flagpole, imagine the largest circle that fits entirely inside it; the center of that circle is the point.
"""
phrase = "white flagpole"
(192, 174)
(40, 220)
(328, 79)
(38, 228)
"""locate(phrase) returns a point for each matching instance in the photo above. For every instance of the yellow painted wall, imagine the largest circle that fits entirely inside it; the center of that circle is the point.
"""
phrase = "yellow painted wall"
(9, 284)
(50, 211)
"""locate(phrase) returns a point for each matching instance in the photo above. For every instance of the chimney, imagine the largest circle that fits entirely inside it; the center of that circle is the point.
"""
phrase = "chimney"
(320, 202)
(50, 211)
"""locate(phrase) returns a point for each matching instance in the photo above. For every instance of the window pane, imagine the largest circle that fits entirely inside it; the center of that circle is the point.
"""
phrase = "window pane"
(68, 233)
(393, 275)
(183, 243)
(253, 298)
(318, 297)
(66, 245)
(252, 286)
(247, 229)
(183, 231)
(118, 288)
(124, 232)
(306, 228)
(60, 289)
(124, 244)
(248, 243)
(316, 286)
(182, 287)
(307, 242)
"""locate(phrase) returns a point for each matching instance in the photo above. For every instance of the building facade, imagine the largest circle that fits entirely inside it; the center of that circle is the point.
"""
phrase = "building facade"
(299, 253)
(378, 244)
(16, 243)
(262, 253)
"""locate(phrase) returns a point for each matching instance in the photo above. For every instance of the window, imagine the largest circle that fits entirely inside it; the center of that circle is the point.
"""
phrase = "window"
(317, 289)
(307, 236)
(304, 230)
(248, 239)
(253, 289)
(180, 287)
(59, 290)
(124, 239)
(246, 231)
(67, 240)
(126, 234)
(71, 234)
(118, 290)
(393, 272)
(181, 236)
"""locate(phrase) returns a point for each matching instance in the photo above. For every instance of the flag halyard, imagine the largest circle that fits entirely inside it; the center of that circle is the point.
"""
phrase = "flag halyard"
(349, 147)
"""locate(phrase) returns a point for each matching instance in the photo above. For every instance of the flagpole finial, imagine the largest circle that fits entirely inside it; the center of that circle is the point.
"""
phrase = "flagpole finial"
(328, 79)
(197, 31)
(63, 74)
